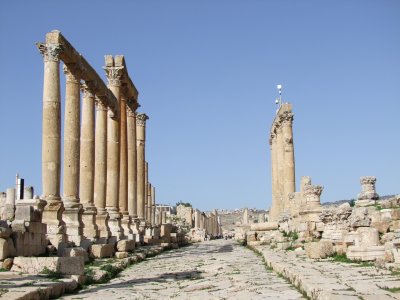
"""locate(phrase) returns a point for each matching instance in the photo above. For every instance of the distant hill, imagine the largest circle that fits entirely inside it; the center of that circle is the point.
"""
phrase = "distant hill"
(339, 202)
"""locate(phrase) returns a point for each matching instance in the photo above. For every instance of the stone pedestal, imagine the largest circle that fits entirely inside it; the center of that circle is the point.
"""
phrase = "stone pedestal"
(72, 217)
(126, 223)
(104, 229)
(52, 217)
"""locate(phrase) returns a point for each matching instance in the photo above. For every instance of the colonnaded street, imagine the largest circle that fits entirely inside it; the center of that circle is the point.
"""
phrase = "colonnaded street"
(218, 269)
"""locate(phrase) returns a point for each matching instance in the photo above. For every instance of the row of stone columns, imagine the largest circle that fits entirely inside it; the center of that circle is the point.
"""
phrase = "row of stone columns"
(282, 161)
(105, 175)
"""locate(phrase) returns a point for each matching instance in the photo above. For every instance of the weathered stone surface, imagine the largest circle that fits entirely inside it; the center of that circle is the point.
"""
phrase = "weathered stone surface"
(366, 253)
(215, 269)
(5, 232)
(264, 226)
(7, 263)
(4, 249)
(321, 249)
(36, 265)
(122, 254)
(102, 250)
(76, 251)
(126, 245)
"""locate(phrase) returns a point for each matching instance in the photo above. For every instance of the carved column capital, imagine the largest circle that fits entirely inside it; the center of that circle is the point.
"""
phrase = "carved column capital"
(87, 93)
(114, 75)
(50, 52)
(313, 190)
(72, 73)
(100, 106)
(286, 118)
(130, 112)
(141, 119)
(368, 180)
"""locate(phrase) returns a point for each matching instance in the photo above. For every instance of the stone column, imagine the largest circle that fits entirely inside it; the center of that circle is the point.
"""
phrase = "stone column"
(246, 216)
(100, 171)
(86, 170)
(146, 192)
(72, 215)
(288, 165)
(28, 192)
(274, 211)
(148, 206)
(114, 75)
(368, 195)
(312, 194)
(132, 164)
(153, 206)
(279, 164)
(123, 171)
(51, 143)
(201, 221)
(141, 187)
(196, 218)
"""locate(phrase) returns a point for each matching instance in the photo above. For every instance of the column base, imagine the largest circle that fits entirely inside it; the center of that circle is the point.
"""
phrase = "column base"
(126, 223)
(90, 229)
(72, 217)
(117, 232)
(52, 217)
(102, 218)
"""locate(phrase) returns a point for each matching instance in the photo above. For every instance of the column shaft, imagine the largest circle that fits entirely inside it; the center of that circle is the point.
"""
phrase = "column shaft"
(71, 135)
(132, 164)
(86, 170)
(141, 188)
(51, 130)
(100, 169)
(123, 160)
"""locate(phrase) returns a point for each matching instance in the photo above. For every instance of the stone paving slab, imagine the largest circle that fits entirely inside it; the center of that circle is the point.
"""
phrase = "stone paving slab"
(326, 279)
(216, 269)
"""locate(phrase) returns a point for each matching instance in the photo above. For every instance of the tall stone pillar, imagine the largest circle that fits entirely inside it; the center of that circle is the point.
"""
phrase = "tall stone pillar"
(141, 187)
(148, 206)
(153, 206)
(114, 76)
(280, 162)
(123, 171)
(86, 170)
(274, 211)
(51, 143)
(72, 215)
(288, 165)
(201, 221)
(146, 192)
(132, 164)
(100, 171)
(196, 218)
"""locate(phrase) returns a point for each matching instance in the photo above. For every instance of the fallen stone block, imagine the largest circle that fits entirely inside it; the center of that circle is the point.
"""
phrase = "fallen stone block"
(264, 226)
(7, 263)
(102, 250)
(321, 249)
(36, 265)
(122, 254)
(366, 253)
(76, 251)
(126, 245)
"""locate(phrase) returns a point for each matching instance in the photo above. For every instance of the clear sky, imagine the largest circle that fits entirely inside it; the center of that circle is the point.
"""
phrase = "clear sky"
(207, 73)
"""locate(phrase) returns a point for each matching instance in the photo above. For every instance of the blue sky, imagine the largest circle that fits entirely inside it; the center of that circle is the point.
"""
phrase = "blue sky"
(207, 73)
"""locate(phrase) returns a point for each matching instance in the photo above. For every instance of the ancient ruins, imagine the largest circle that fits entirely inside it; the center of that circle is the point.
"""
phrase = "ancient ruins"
(107, 206)
(366, 230)
(105, 217)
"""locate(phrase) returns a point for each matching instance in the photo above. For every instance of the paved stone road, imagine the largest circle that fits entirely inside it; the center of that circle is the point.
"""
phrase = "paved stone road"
(209, 270)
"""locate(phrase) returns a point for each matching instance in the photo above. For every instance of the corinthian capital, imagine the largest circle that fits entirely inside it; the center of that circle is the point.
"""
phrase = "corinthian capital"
(50, 52)
(141, 119)
(367, 180)
(114, 75)
(313, 190)
(286, 118)
(87, 93)
(72, 73)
